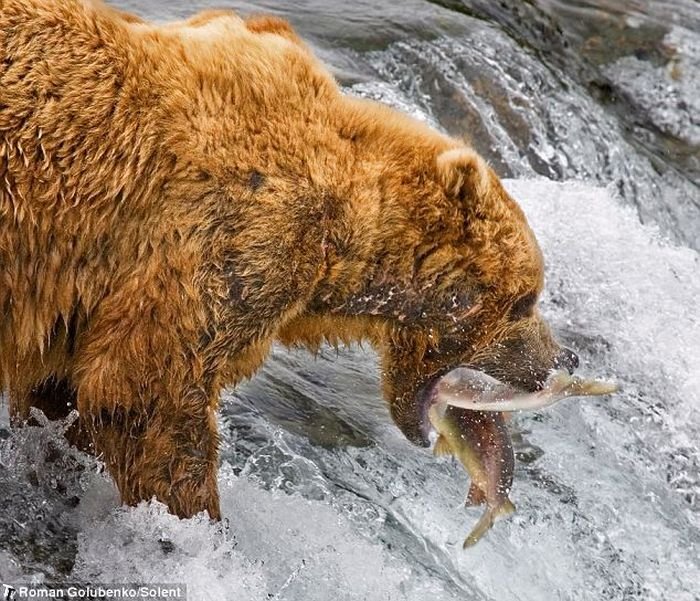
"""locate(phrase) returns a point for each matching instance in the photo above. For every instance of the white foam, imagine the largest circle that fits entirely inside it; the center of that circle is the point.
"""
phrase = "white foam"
(271, 546)
(607, 512)
(610, 278)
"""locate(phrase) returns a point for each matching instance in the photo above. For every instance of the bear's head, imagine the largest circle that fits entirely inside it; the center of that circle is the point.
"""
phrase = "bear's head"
(458, 284)
(445, 273)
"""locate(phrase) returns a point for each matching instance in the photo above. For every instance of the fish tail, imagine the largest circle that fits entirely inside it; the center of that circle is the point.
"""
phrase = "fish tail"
(482, 527)
(486, 522)
(505, 508)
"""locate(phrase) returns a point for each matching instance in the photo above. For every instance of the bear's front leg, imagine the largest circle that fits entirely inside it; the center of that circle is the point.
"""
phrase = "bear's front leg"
(147, 398)
(168, 452)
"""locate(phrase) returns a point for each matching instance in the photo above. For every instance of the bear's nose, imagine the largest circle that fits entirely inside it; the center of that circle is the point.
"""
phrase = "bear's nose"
(567, 359)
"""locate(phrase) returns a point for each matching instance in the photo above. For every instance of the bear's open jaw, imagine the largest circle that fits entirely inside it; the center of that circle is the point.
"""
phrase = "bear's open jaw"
(426, 397)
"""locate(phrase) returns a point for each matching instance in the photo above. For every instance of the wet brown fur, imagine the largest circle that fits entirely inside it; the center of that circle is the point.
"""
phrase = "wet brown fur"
(174, 198)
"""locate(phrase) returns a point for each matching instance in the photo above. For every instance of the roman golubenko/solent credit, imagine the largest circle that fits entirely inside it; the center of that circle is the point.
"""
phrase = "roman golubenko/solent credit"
(153, 592)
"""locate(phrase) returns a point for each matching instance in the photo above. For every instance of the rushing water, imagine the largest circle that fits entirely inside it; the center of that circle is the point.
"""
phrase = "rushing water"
(322, 496)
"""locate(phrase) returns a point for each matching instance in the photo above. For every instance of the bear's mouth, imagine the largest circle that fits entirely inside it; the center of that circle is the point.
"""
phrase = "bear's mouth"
(479, 383)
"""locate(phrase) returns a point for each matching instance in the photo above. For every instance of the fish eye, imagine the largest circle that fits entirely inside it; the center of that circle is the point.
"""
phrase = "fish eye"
(524, 306)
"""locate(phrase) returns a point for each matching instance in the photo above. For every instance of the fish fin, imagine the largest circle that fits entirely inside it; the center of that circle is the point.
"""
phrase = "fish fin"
(442, 447)
(475, 496)
(505, 508)
(583, 387)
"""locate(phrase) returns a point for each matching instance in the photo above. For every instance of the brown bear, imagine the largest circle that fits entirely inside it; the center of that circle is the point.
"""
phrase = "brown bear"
(175, 198)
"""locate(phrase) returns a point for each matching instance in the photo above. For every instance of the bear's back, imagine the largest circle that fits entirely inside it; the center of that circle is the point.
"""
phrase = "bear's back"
(111, 127)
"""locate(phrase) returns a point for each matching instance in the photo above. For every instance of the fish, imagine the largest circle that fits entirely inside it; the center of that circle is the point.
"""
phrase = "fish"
(471, 389)
(467, 411)
(481, 443)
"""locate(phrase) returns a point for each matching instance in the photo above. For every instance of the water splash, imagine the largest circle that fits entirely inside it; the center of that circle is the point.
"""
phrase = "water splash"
(323, 497)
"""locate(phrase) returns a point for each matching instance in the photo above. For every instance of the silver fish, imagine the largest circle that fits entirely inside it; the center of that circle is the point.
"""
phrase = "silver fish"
(471, 389)
(467, 413)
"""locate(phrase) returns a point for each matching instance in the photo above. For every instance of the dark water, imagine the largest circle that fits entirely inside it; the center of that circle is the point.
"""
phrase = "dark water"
(324, 499)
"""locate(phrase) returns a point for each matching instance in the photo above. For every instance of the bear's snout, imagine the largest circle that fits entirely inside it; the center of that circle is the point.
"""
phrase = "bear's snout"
(567, 360)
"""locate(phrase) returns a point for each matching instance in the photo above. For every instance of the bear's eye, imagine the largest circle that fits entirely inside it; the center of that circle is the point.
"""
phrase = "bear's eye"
(523, 307)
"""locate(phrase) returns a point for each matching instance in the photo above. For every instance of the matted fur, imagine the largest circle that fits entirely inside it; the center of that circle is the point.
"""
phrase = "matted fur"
(174, 198)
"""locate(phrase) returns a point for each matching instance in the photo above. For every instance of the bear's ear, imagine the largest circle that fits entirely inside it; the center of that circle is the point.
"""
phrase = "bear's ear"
(463, 173)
